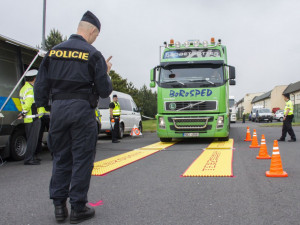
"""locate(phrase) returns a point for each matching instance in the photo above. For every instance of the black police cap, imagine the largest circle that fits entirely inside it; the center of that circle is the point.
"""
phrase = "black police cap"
(91, 18)
(115, 96)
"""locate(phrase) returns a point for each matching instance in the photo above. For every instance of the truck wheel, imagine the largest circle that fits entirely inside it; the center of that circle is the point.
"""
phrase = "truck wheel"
(121, 131)
(281, 119)
(165, 139)
(18, 145)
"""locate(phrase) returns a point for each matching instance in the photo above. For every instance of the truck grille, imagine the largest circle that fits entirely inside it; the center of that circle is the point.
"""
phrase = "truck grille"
(190, 123)
(191, 106)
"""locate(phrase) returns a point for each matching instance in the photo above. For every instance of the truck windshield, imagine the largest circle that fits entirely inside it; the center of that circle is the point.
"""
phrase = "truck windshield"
(231, 103)
(205, 75)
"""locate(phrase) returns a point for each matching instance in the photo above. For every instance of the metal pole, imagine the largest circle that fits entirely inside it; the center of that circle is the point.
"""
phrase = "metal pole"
(11, 93)
(44, 25)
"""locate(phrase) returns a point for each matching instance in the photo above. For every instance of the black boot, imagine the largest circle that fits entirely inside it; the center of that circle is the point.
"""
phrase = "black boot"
(78, 216)
(61, 212)
(281, 139)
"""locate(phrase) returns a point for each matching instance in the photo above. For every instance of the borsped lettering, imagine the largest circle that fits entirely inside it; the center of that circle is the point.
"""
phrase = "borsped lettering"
(192, 93)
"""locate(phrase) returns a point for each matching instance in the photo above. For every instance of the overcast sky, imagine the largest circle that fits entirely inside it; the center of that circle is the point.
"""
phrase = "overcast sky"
(262, 36)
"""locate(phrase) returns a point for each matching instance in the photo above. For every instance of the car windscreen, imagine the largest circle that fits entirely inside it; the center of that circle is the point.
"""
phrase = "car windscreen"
(264, 110)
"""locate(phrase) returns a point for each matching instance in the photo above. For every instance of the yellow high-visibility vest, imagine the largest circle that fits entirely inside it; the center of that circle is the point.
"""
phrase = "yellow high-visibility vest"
(28, 105)
(117, 109)
(289, 105)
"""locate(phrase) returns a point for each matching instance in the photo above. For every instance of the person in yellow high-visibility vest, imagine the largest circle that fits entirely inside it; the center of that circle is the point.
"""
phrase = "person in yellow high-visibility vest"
(287, 119)
(31, 115)
(115, 113)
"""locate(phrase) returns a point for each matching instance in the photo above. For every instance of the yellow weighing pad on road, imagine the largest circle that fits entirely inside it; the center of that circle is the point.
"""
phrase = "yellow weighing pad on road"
(221, 145)
(213, 162)
(107, 165)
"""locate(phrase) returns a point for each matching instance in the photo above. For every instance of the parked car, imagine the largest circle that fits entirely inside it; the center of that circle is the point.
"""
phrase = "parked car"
(252, 115)
(279, 115)
(130, 115)
(263, 115)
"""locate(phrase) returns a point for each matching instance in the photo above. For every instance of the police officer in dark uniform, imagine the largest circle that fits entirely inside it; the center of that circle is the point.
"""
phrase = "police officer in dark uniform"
(74, 74)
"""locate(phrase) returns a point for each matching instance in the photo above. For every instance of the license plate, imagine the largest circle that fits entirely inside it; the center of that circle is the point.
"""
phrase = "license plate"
(190, 134)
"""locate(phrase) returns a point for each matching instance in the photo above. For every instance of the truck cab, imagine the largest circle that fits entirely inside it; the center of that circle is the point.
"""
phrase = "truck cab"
(193, 90)
(232, 109)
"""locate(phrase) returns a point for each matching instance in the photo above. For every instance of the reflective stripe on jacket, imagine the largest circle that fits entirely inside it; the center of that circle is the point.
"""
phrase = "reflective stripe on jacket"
(117, 109)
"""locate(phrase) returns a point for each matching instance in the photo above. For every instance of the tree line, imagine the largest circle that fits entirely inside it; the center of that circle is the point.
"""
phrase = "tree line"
(144, 98)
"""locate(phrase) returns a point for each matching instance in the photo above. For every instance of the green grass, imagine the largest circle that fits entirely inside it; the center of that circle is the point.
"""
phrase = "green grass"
(149, 125)
(277, 124)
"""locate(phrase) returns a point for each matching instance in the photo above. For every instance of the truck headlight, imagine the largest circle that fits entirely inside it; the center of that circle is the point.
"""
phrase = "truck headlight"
(161, 123)
(220, 122)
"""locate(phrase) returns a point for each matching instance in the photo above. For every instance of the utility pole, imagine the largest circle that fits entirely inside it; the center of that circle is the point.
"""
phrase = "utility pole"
(44, 25)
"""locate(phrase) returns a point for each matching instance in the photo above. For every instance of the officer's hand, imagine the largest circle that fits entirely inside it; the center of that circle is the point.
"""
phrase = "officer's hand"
(109, 65)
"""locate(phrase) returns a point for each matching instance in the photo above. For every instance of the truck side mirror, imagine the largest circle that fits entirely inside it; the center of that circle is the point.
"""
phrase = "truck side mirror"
(231, 82)
(152, 77)
(231, 72)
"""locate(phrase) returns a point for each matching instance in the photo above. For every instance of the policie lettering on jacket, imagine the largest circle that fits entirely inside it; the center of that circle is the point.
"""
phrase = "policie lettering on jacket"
(69, 54)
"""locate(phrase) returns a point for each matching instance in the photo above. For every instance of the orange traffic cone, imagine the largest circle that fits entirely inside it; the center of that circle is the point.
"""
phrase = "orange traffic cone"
(263, 152)
(254, 143)
(248, 135)
(276, 165)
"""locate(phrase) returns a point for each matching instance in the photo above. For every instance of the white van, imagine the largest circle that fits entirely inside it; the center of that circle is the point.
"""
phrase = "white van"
(129, 118)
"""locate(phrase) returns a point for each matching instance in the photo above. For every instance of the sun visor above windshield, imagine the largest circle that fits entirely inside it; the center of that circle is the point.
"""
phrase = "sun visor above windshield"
(216, 62)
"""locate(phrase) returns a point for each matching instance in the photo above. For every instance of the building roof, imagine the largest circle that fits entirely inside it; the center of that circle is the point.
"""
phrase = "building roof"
(17, 43)
(261, 97)
(293, 87)
(240, 101)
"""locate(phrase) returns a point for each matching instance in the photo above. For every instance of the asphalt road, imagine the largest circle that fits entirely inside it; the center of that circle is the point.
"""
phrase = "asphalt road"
(151, 191)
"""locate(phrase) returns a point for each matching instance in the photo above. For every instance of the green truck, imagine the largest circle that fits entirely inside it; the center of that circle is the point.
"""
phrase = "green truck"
(193, 81)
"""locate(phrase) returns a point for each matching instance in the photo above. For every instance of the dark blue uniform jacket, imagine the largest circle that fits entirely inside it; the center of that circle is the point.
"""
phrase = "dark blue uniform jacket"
(72, 67)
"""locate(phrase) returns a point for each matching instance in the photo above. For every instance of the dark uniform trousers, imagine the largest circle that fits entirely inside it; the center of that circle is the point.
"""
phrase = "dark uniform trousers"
(116, 128)
(32, 133)
(287, 127)
(72, 139)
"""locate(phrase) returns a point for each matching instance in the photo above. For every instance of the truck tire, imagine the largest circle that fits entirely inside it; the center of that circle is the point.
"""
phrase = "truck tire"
(281, 119)
(18, 145)
(165, 139)
(121, 131)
